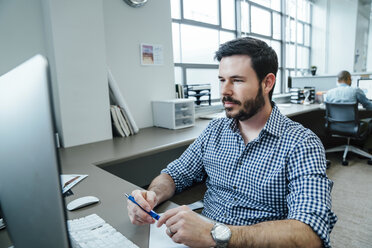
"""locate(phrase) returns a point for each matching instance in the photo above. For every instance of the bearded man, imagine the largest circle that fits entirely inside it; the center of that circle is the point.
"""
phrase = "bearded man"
(265, 174)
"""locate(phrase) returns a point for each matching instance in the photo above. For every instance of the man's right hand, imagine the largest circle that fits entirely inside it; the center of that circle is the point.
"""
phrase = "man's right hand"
(147, 200)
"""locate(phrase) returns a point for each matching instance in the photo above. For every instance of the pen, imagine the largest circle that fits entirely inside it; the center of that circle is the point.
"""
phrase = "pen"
(151, 213)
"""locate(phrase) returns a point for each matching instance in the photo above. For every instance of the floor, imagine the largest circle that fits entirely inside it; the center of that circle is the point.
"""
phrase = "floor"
(352, 202)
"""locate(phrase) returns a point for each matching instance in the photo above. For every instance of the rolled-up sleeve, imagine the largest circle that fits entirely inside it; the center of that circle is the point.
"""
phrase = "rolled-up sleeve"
(188, 168)
(309, 199)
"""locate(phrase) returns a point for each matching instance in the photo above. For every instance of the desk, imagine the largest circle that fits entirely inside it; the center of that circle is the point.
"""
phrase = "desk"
(110, 188)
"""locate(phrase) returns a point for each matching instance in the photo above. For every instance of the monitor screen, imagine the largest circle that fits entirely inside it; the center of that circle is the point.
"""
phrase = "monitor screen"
(30, 191)
(366, 86)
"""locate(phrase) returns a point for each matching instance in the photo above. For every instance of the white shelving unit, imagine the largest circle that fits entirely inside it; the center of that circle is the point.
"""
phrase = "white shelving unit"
(174, 114)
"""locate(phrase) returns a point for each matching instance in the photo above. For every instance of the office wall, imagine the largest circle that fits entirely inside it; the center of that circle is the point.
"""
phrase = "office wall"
(80, 38)
(333, 37)
(21, 32)
(126, 28)
(369, 56)
(77, 54)
(343, 16)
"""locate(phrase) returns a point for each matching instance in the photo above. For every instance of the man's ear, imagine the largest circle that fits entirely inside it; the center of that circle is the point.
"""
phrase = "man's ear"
(268, 83)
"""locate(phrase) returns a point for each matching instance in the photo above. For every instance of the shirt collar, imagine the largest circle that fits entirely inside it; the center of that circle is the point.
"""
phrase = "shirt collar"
(342, 84)
(273, 125)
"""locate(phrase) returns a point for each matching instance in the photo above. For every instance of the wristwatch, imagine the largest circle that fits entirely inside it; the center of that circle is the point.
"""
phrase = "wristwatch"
(221, 234)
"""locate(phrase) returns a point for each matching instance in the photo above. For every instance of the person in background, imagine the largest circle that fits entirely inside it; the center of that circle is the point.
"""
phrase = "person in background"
(345, 93)
(265, 174)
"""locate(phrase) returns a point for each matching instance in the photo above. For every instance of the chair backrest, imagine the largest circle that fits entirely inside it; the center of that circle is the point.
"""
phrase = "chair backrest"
(342, 119)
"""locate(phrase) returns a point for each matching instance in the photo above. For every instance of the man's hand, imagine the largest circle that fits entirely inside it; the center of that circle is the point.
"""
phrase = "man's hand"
(147, 200)
(186, 227)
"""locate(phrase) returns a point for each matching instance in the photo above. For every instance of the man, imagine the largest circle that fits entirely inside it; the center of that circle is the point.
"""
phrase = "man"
(345, 93)
(265, 174)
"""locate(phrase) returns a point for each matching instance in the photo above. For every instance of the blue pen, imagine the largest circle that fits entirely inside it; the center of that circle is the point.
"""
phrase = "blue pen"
(151, 213)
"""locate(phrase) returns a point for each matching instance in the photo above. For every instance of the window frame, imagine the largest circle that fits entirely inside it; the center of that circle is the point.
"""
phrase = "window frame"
(284, 40)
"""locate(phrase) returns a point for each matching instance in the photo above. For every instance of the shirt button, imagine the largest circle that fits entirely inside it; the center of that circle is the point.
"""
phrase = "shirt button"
(225, 215)
(240, 162)
(234, 187)
(235, 199)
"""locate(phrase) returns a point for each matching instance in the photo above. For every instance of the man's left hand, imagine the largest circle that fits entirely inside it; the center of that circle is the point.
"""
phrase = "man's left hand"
(186, 227)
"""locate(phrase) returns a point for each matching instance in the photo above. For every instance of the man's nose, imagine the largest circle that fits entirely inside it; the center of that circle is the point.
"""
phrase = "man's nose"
(226, 88)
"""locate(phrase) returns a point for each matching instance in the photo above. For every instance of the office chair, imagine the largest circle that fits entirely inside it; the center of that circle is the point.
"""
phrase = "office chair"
(342, 120)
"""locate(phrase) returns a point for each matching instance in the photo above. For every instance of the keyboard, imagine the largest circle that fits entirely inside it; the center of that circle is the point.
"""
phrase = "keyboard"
(93, 232)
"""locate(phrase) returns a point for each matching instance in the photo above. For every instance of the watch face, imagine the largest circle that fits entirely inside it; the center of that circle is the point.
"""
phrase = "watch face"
(222, 232)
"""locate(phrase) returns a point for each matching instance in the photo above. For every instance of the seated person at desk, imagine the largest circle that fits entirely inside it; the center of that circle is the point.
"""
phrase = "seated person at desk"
(345, 93)
(265, 174)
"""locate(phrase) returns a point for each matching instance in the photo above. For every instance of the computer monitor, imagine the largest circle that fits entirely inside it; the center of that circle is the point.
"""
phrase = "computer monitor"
(366, 86)
(30, 190)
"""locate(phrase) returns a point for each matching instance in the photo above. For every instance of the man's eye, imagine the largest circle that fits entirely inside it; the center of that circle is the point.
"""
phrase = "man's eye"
(238, 80)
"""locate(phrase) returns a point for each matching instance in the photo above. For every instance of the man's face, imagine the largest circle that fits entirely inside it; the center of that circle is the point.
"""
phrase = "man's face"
(241, 92)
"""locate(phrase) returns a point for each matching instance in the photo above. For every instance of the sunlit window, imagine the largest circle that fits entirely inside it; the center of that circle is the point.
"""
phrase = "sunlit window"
(228, 14)
(200, 26)
(260, 21)
(202, 11)
(198, 44)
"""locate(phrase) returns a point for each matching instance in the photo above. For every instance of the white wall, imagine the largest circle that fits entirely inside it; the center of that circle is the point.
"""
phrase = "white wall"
(80, 38)
(342, 30)
(21, 32)
(126, 28)
(369, 53)
(333, 37)
(77, 54)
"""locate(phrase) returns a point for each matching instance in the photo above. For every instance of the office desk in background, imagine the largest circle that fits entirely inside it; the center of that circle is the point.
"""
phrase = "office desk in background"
(92, 158)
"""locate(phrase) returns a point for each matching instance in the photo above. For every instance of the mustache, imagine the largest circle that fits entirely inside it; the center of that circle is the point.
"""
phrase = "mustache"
(230, 99)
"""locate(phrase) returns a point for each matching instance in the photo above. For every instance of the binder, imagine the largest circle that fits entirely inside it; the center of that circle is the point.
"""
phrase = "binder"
(119, 100)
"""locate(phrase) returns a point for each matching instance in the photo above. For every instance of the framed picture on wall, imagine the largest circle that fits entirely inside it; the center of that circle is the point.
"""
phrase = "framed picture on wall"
(152, 54)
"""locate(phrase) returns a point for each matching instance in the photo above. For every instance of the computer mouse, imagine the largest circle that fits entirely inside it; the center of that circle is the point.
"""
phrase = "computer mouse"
(82, 202)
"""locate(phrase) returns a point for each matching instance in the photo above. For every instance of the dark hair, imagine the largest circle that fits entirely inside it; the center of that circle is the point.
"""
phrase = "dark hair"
(263, 58)
(343, 76)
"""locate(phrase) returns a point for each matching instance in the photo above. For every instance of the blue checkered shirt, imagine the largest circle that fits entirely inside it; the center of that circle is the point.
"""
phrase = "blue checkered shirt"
(279, 175)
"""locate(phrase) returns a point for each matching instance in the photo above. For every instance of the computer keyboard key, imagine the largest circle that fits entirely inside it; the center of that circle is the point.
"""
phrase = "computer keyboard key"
(93, 232)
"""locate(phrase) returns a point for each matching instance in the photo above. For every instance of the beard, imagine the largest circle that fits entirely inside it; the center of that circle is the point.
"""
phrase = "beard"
(250, 106)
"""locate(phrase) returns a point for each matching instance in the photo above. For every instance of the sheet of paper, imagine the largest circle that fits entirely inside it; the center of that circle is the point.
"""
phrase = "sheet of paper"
(159, 238)
(70, 180)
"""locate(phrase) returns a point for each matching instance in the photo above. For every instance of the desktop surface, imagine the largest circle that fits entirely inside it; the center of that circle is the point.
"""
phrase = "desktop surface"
(109, 188)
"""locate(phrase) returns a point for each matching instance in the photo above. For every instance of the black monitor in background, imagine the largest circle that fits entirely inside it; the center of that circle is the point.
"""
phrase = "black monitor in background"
(366, 86)
(30, 191)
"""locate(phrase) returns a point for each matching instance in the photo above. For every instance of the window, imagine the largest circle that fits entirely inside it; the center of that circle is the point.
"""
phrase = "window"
(297, 42)
(199, 27)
